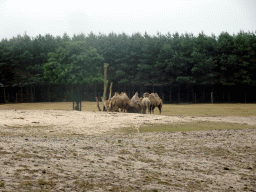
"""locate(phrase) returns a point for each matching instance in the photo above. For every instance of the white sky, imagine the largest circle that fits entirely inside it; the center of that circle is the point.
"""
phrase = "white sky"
(104, 16)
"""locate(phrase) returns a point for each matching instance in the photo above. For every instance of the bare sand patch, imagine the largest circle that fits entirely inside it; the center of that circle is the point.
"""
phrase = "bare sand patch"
(91, 123)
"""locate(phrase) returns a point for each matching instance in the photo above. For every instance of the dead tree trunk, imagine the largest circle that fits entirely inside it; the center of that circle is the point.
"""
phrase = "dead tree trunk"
(110, 91)
(98, 103)
(4, 95)
(105, 80)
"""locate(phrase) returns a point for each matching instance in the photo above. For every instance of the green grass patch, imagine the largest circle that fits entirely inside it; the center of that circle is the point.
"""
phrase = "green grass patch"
(232, 109)
(1, 184)
(190, 126)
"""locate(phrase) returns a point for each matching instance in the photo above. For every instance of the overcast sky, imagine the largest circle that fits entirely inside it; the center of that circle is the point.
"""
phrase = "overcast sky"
(104, 16)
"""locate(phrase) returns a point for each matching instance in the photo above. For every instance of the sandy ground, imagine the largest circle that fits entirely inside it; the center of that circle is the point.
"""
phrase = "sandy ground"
(72, 151)
(94, 123)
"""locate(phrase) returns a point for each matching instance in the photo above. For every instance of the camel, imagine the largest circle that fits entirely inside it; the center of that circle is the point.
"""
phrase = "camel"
(155, 102)
(119, 101)
(145, 105)
(135, 97)
(107, 102)
(146, 94)
(134, 104)
(159, 103)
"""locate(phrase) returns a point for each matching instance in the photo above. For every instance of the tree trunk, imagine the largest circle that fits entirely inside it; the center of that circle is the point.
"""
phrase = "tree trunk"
(97, 101)
(21, 90)
(49, 94)
(179, 94)
(80, 102)
(31, 89)
(73, 100)
(187, 86)
(110, 90)
(170, 92)
(203, 93)
(4, 95)
(95, 87)
(162, 94)
(27, 93)
(105, 80)
(78, 106)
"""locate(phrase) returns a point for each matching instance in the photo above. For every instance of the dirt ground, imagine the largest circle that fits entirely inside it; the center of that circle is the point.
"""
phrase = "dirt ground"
(57, 150)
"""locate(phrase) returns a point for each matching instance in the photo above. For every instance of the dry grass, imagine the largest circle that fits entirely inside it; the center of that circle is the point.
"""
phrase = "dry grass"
(210, 109)
(86, 106)
(168, 109)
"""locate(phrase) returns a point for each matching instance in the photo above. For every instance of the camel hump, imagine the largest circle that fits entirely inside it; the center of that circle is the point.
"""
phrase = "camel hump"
(146, 94)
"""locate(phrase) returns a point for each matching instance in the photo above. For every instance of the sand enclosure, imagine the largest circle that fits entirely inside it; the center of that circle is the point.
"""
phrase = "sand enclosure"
(89, 160)
(91, 123)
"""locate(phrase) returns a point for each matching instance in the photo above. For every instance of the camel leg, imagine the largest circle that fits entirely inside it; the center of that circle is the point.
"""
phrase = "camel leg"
(153, 110)
(160, 107)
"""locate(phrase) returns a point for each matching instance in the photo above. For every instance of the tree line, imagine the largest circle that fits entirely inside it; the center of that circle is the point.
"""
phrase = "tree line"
(181, 66)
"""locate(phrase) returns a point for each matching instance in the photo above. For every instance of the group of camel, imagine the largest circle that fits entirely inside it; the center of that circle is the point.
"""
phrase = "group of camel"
(136, 104)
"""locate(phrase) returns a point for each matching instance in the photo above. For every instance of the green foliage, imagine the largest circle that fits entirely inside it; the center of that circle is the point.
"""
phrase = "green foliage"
(74, 65)
(137, 59)
(6, 69)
